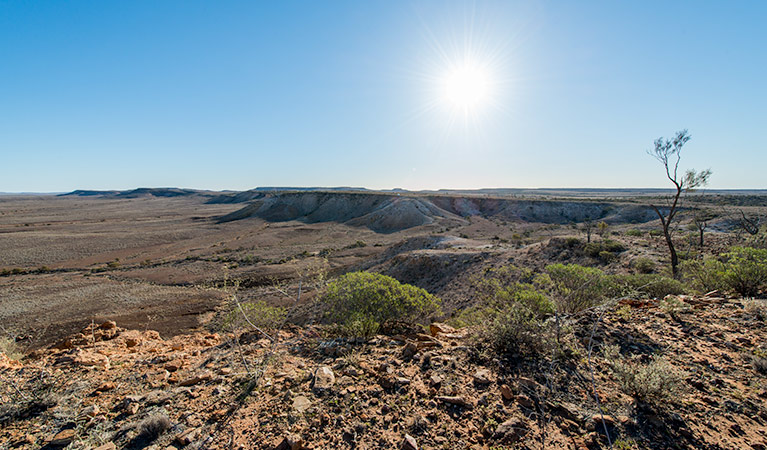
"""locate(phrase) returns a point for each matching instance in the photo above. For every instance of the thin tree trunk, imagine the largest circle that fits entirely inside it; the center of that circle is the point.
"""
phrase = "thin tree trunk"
(672, 250)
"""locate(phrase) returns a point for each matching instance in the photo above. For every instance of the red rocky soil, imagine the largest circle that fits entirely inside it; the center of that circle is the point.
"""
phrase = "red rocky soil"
(106, 387)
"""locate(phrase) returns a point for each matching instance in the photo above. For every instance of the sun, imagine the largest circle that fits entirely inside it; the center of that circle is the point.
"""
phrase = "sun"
(467, 86)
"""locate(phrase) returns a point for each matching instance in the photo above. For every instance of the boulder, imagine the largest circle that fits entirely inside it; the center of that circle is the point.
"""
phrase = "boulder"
(511, 430)
(62, 438)
(409, 443)
(324, 378)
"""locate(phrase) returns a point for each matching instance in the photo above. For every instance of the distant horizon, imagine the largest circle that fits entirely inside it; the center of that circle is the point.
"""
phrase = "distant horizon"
(394, 189)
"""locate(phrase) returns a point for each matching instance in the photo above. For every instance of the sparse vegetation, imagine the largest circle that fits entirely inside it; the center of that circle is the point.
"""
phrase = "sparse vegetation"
(9, 347)
(745, 270)
(650, 285)
(153, 427)
(577, 288)
(512, 310)
(652, 383)
(643, 265)
(259, 313)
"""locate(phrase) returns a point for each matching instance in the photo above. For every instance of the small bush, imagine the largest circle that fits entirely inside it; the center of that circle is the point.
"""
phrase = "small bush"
(673, 305)
(153, 427)
(652, 383)
(650, 285)
(512, 312)
(572, 242)
(757, 308)
(746, 270)
(259, 313)
(643, 265)
(634, 232)
(361, 302)
(706, 275)
(10, 348)
(595, 249)
(607, 257)
(578, 288)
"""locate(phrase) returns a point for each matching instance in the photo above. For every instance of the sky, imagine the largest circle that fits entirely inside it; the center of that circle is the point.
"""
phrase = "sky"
(235, 95)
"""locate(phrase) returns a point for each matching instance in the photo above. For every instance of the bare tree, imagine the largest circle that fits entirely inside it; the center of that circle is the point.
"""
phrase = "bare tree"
(588, 225)
(700, 221)
(750, 224)
(669, 152)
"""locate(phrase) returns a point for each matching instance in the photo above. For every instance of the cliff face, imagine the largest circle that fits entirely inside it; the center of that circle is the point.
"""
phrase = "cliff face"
(388, 213)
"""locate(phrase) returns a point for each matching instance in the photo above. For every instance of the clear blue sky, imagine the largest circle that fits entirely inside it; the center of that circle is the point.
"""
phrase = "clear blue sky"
(234, 95)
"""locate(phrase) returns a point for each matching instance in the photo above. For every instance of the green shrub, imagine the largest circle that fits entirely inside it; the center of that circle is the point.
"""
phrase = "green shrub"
(595, 249)
(634, 232)
(512, 311)
(573, 242)
(577, 287)
(650, 285)
(643, 265)
(607, 257)
(361, 302)
(746, 270)
(259, 313)
(10, 348)
(653, 383)
(520, 328)
(706, 275)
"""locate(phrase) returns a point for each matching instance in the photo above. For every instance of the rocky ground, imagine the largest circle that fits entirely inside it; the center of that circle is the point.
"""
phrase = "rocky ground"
(110, 388)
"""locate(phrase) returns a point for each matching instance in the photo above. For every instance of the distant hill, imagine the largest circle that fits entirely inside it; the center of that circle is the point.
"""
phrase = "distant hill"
(388, 213)
(140, 192)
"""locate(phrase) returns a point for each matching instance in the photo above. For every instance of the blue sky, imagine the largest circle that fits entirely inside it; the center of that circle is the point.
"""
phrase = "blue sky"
(234, 95)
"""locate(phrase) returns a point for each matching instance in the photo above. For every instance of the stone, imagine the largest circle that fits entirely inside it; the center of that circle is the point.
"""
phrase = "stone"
(187, 436)
(482, 376)
(108, 325)
(436, 379)
(157, 397)
(524, 401)
(440, 328)
(290, 442)
(91, 411)
(132, 341)
(506, 392)
(455, 400)
(81, 357)
(324, 378)
(62, 438)
(409, 350)
(106, 386)
(205, 376)
(301, 403)
(511, 430)
(174, 365)
(409, 443)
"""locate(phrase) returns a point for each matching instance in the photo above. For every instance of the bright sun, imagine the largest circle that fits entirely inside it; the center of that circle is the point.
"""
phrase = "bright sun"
(466, 87)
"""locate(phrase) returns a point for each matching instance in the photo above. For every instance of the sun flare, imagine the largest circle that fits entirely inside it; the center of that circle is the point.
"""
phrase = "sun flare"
(467, 86)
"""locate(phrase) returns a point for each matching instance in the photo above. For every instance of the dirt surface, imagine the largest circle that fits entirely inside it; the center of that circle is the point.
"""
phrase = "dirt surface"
(106, 384)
